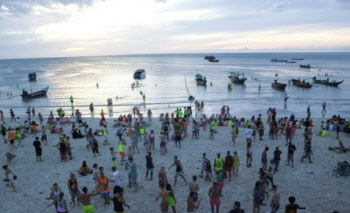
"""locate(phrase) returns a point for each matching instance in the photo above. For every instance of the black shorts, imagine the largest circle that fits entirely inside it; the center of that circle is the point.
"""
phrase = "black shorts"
(38, 152)
(44, 137)
(12, 141)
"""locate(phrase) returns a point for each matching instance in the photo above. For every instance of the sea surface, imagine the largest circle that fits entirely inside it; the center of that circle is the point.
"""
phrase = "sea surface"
(165, 86)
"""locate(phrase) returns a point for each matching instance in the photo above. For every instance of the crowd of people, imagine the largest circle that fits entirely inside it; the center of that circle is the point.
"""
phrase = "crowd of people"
(176, 126)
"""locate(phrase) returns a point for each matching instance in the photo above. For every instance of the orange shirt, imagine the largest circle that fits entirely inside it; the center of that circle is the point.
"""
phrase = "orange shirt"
(104, 184)
(11, 135)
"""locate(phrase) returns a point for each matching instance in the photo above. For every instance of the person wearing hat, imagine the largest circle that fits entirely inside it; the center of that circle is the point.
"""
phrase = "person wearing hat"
(237, 208)
(218, 163)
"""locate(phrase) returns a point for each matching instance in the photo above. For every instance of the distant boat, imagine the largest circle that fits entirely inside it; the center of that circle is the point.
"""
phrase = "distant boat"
(140, 74)
(327, 82)
(298, 59)
(201, 80)
(291, 62)
(305, 66)
(40, 93)
(278, 60)
(237, 78)
(213, 60)
(302, 84)
(278, 85)
(209, 57)
(32, 76)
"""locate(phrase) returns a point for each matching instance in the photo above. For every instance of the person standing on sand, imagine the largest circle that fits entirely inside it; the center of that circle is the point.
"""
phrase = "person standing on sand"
(276, 158)
(291, 150)
(264, 158)
(73, 188)
(149, 165)
(55, 194)
(308, 112)
(218, 163)
(149, 115)
(104, 187)
(13, 116)
(228, 164)
(214, 195)
(275, 202)
(258, 197)
(3, 133)
(179, 169)
(38, 149)
(235, 163)
(9, 177)
(121, 147)
(105, 135)
(43, 135)
(234, 134)
(162, 177)
(163, 195)
(292, 207)
(191, 205)
(61, 204)
(118, 201)
(171, 197)
(307, 153)
(85, 200)
(288, 133)
(248, 134)
(249, 155)
(194, 188)
(116, 177)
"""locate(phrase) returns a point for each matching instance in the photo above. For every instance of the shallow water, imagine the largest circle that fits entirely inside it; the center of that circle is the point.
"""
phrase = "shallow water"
(165, 88)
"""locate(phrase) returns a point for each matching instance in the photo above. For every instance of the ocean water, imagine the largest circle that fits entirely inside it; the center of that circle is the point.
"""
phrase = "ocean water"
(165, 88)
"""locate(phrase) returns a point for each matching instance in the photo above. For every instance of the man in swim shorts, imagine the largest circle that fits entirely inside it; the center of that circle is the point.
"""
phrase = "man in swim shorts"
(214, 195)
(85, 200)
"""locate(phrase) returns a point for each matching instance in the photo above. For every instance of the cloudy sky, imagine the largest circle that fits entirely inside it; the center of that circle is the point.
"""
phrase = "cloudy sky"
(47, 28)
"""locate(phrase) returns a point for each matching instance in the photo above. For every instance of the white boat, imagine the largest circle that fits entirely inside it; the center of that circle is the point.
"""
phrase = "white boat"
(140, 74)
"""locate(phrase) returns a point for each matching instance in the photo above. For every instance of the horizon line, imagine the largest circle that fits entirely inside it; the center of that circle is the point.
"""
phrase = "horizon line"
(142, 54)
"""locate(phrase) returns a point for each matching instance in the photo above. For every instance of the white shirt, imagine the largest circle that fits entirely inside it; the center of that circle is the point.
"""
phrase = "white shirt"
(248, 133)
(116, 177)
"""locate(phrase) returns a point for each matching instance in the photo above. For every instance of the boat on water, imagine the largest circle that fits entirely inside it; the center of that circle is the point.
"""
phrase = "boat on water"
(302, 84)
(40, 93)
(305, 66)
(237, 78)
(279, 86)
(327, 82)
(209, 57)
(140, 74)
(278, 60)
(213, 60)
(291, 62)
(201, 80)
(298, 59)
(32, 76)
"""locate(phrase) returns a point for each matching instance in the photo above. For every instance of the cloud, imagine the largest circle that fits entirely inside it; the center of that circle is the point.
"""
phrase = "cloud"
(17, 7)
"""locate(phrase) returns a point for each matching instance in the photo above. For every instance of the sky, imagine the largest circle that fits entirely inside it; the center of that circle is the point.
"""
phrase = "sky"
(58, 28)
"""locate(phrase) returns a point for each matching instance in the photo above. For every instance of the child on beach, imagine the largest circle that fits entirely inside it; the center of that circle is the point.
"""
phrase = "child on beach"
(121, 150)
(114, 156)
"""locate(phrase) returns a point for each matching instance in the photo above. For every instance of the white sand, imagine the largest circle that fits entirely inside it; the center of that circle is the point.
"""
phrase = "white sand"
(318, 192)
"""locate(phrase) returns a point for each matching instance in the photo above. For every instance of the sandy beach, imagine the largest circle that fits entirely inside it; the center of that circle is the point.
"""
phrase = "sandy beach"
(312, 184)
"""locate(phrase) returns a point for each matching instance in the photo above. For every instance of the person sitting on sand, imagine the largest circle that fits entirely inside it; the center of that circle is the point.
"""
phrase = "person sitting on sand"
(339, 149)
(84, 169)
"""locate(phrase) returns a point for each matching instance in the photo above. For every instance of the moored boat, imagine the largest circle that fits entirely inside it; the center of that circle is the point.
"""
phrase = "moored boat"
(140, 74)
(40, 93)
(237, 78)
(298, 59)
(305, 66)
(278, 60)
(278, 85)
(327, 82)
(32, 76)
(302, 84)
(201, 80)
(213, 60)
(209, 57)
